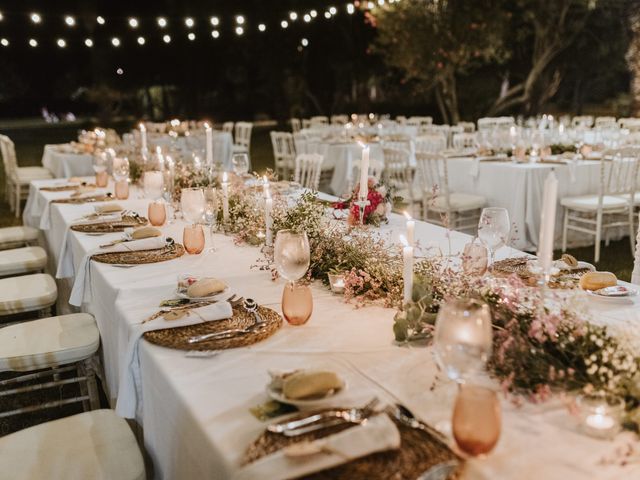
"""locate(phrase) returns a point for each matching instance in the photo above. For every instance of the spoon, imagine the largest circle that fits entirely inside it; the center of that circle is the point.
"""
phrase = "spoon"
(251, 306)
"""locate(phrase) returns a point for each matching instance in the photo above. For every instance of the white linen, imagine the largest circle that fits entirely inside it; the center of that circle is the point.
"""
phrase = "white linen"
(65, 163)
(635, 275)
(378, 434)
(130, 392)
(81, 293)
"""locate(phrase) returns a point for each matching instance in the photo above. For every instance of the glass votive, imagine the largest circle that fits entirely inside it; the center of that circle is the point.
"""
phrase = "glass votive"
(475, 258)
(600, 414)
(157, 213)
(193, 239)
(122, 189)
(336, 280)
(297, 303)
(476, 421)
(102, 179)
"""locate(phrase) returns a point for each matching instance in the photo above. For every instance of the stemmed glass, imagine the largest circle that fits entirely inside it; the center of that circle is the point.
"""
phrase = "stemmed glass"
(100, 168)
(211, 213)
(193, 207)
(240, 162)
(494, 229)
(292, 257)
(121, 177)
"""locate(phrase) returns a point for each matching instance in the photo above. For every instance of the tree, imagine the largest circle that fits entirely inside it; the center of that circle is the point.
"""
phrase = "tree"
(435, 42)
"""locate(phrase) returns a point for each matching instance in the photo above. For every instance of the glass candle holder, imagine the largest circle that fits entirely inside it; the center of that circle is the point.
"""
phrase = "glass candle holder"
(297, 303)
(102, 179)
(475, 259)
(193, 239)
(157, 213)
(122, 189)
(476, 421)
(600, 414)
(336, 280)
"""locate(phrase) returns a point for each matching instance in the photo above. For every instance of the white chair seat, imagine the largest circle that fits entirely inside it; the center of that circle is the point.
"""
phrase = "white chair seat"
(27, 174)
(17, 236)
(96, 445)
(406, 194)
(239, 149)
(48, 342)
(22, 260)
(458, 202)
(589, 203)
(27, 293)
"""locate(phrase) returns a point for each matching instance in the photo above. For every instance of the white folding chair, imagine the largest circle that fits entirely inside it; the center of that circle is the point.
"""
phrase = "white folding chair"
(295, 125)
(605, 122)
(467, 127)
(464, 141)
(584, 121)
(431, 143)
(242, 138)
(14, 237)
(399, 174)
(611, 207)
(227, 127)
(339, 119)
(457, 211)
(308, 168)
(284, 153)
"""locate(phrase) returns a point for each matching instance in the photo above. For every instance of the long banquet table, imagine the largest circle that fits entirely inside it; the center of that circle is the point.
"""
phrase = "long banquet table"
(195, 411)
(63, 162)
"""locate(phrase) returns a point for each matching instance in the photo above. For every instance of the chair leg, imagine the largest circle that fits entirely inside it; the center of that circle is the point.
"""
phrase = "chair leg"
(90, 386)
(18, 187)
(598, 236)
(632, 232)
(564, 229)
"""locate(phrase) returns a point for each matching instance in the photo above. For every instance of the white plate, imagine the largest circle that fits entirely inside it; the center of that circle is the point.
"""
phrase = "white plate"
(307, 402)
(618, 298)
(210, 298)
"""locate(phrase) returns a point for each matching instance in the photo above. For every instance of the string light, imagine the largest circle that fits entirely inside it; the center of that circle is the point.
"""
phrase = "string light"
(162, 22)
(61, 43)
(88, 42)
(307, 18)
(4, 42)
(215, 34)
(284, 24)
(304, 42)
(327, 15)
(293, 16)
(133, 22)
(69, 20)
(239, 19)
(100, 20)
(36, 18)
(191, 36)
(239, 30)
(166, 39)
(33, 42)
(215, 21)
(141, 41)
(350, 9)
(333, 10)
(2, 18)
(115, 41)
(189, 22)
(313, 13)
(262, 27)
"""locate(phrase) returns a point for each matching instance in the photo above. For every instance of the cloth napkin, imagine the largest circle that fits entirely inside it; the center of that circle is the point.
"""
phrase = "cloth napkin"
(377, 434)
(129, 390)
(116, 217)
(45, 219)
(82, 285)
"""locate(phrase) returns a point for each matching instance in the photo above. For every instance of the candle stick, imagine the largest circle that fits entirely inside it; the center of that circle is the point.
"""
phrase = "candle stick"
(143, 138)
(411, 227)
(268, 205)
(265, 186)
(160, 158)
(407, 272)
(547, 223)
(225, 197)
(209, 143)
(364, 173)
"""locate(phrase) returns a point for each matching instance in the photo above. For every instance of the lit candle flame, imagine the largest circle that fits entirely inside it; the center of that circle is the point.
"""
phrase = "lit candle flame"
(143, 128)
(407, 216)
(206, 126)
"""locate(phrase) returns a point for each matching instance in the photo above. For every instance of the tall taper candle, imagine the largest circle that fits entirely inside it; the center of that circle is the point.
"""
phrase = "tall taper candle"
(268, 206)
(407, 272)
(364, 174)
(225, 197)
(209, 143)
(143, 137)
(411, 228)
(548, 222)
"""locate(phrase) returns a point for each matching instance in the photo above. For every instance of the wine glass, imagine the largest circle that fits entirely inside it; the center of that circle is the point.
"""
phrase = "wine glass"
(476, 421)
(192, 204)
(100, 161)
(121, 170)
(211, 212)
(494, 229)
(240, 162)
(292, 257)
(463, 338)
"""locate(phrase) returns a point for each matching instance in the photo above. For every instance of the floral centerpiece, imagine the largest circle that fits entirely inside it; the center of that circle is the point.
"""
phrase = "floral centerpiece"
(380, 203)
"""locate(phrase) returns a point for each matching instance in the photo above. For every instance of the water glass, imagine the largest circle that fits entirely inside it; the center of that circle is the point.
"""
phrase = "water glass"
(463, 338)
(494, 228)
(297, 303)
(240, 162)
(193, 239)
(292, 257)
(157, 213)
(122, 189)
(476, 421)
(192, 204)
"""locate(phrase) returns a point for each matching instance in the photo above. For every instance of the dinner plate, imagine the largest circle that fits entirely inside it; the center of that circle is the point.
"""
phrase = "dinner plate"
(276, 394)
(632, 292)
(210, 298)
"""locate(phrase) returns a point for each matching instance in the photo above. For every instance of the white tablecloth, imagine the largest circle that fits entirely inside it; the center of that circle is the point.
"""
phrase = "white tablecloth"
(222, 145)
(64, 164)
(195, 411)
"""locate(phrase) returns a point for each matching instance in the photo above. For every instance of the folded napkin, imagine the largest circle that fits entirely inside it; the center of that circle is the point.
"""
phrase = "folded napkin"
(109, 208)
(377, 434)
(81, 287)
(94, 220)
(129, 391)
(45, 219)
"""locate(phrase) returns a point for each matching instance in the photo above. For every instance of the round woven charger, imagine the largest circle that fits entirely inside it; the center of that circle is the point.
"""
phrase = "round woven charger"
(81, 200)
(518, 265)
(108, 227)
(418, 452)
(178, 337)
(143, 256)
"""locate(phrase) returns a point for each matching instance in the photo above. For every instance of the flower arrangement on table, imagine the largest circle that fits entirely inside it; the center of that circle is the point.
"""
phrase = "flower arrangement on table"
(380, 199)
